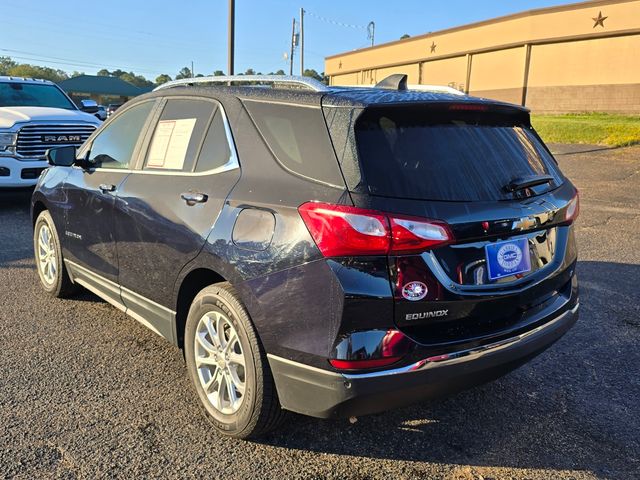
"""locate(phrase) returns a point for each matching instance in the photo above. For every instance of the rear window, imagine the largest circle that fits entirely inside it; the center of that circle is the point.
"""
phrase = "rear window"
(449, 156)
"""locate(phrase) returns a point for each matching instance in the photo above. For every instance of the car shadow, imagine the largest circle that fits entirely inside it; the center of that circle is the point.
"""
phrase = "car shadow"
(571, 408)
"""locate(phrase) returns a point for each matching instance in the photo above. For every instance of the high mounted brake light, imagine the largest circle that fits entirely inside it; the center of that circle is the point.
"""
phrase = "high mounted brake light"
(340, 230)
(468, 107)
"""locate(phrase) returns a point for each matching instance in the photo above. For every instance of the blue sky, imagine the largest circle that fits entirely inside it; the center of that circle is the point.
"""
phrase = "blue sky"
(163, 36)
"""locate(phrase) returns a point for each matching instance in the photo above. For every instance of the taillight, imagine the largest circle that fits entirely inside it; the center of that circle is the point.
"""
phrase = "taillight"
(340, 230)
(573, 209)
(416, 235)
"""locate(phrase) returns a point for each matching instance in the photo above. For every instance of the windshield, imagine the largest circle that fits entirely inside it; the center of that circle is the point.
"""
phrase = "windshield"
(407, 153)
(15, 94)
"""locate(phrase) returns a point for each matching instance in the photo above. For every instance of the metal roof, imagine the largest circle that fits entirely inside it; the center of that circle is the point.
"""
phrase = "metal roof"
(101, 85)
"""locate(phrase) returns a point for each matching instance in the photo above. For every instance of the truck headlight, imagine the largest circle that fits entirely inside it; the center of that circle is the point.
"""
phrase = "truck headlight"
(7, 140)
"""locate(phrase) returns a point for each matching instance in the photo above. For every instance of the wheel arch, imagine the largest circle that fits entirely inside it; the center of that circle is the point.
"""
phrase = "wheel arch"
(38, 207)
(193, 282)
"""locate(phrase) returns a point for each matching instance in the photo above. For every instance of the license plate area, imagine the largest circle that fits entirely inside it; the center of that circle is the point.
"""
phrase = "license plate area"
(507, 258)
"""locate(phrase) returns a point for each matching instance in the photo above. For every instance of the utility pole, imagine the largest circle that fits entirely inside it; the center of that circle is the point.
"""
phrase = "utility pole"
(293, 46)
(371, 30)
(301, 41)
(230, 40)
(193, 74)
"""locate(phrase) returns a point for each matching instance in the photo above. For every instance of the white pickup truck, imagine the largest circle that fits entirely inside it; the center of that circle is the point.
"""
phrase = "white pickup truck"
(36, 115)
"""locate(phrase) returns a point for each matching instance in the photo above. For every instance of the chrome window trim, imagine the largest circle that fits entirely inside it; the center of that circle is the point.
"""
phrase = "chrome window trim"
(232, 164)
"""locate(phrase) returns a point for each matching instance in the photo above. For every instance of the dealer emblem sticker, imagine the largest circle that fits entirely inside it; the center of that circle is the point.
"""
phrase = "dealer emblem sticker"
(414, 291)
(509, 256)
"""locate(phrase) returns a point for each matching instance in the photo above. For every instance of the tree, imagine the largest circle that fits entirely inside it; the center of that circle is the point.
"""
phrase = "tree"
(184, 73)
(164, 78)
(218, 73)
(406, 35)
(6, 64)
(310, 72)
(280, 72)
(35, 71)
(77, 74)
(103, 73)
(250, 71)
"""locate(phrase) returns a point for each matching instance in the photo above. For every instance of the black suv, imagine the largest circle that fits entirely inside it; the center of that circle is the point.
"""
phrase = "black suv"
(329, 251)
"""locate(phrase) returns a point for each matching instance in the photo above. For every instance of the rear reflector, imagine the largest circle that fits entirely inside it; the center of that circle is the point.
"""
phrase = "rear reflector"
(385, 351)
(340, 230)
(363, 364)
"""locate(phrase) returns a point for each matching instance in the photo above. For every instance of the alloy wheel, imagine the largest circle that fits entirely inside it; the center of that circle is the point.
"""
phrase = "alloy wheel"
(47, 260)
(220, 362)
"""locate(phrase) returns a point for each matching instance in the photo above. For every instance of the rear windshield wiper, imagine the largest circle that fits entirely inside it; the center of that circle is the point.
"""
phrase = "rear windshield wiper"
(520, 183)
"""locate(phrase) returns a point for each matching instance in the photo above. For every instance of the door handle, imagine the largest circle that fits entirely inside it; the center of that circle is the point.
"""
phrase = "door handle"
(193, 198)
(107, 187)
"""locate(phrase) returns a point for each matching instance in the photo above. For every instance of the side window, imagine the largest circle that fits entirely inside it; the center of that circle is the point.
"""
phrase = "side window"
(299, 139)
(178, 135)
(216, 151)
(113, 147)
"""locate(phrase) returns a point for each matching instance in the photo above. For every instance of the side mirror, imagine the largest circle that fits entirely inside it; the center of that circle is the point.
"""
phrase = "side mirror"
(62, 156)
(89, 106)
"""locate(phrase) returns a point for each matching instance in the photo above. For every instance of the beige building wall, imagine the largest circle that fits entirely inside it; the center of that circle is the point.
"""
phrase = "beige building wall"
(498, 75)
(449, 71)
(556, 59)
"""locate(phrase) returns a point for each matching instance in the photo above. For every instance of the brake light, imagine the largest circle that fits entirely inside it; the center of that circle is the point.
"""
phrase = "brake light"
(468, 107)
(340, 230)
(412, 234)
(573, 208)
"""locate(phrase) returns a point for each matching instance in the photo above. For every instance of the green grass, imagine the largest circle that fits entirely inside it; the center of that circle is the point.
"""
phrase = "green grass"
(589, 128)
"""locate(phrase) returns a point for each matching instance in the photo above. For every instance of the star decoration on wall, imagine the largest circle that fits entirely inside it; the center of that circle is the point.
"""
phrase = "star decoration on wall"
(433, 47)
(599, 20)
(340, 64)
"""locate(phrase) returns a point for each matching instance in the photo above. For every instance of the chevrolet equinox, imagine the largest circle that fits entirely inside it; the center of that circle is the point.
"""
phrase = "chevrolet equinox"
(331, 251)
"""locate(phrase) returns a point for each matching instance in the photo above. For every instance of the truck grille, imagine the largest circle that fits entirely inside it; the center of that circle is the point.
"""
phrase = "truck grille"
(34, 140)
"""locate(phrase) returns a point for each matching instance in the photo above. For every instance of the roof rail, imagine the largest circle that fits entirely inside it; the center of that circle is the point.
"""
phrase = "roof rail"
(310, 83)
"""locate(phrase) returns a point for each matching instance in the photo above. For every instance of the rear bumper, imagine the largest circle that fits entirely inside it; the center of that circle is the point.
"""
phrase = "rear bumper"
(325, 394)
(14, 171)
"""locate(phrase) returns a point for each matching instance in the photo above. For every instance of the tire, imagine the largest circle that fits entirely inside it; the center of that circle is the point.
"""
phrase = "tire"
(52, 271)
(214, 374)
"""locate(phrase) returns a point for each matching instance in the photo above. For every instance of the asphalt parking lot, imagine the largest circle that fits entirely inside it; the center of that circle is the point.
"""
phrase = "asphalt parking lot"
(87, 392)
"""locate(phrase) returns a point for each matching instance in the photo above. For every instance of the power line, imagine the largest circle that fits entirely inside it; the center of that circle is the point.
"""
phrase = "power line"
(65, 61)
(335, 22)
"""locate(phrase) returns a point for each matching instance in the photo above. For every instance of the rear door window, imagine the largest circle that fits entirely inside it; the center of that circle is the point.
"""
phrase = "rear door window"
(178, 135)
(410, 153)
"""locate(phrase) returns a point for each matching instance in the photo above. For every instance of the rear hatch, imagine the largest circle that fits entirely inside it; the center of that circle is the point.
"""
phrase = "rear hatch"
(482, 170)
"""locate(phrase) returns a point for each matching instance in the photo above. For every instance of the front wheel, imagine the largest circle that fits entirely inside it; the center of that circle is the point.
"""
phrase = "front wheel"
(49, 262)
(228, 366)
